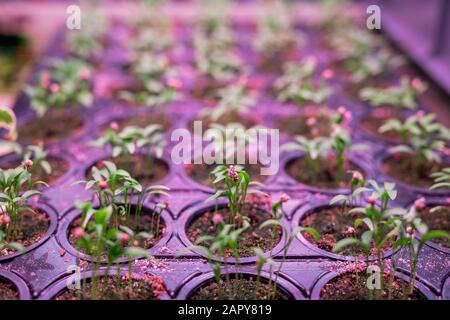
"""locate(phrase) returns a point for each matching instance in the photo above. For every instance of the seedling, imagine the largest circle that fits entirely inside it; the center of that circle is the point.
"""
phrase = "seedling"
(224, 242)
(96, 237)
(237, 188)
(441, 179)
(86, 43)
(234, 100)
(156, 82)
(275, 34)
(16, 188)
(132, 140)
(378, 219)
(38, 157)
(314, 151)
(317, 150)
(410, 224)
(356, 196)
(278, 214)
(66, 83)
(403, 96)
(297, 84)
(423, 141)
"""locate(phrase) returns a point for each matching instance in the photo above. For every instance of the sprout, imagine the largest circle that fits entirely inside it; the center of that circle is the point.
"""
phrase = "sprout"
(403, 96)
(67, 87)
(297, 85)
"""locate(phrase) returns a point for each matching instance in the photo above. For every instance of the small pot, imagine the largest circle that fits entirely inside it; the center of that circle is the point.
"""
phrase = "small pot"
(51, 213)
(193, 212)
(19, 284)
(192, 286)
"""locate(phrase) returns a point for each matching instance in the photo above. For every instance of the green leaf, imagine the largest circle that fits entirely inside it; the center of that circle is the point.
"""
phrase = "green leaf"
(344, 243)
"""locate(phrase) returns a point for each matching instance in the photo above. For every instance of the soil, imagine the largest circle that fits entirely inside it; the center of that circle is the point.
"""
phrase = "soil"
(326, 173)
(352, 286)
(142, 120)
(31, 229)
(439, 219)
(54, 126)
(331, 224)
(254, 237)
(59, 168)
(377, 118)
(207, 90)
(147, 223)
(400, 167)
(8, 291)
(247, 289)
(200, 173)
(274, 63)
(144, 169)
(148, 288)
(297, 125)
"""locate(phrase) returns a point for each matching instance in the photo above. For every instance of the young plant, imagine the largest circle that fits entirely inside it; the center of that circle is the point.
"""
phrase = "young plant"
(66, 83)
(341, 144)
(441, 179)
(314, 151)
(36, 156)
(214, 59)
(234, 100)
(423, 141)
(297, 84)
(133, 139)
(378, 222)
(156, 82)
(356, 196)
(410, 224)
(5, 245)
(225, 242)
(15, 190)
(275, 34)
(86, 43)
(278, 214)
(403, 96)
(116, 188)
(97, 238)
(237, 183)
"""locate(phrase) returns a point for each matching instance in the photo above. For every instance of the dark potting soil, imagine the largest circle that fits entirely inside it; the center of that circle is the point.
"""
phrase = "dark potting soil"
(332, 225)
(377, 118)
(111, 288)
(352, 286)
(438, 219)
(326, 175)
(7, 290)
(143, 168)
(238, 289)
(200, 173)
(148, 223)
(30, 228)
(53, 126)
(207, 90)
(59, 168)
(254, 237)
(401, 167)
